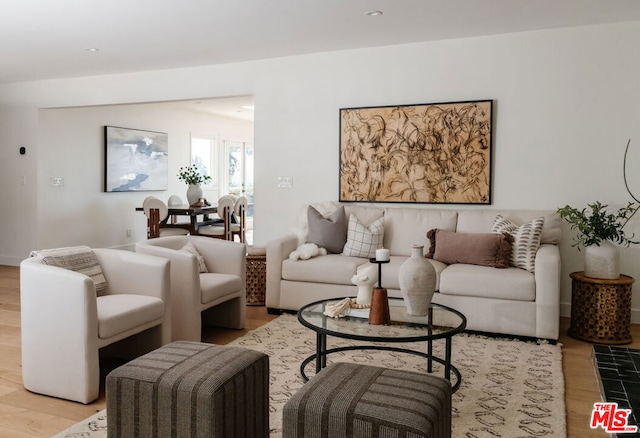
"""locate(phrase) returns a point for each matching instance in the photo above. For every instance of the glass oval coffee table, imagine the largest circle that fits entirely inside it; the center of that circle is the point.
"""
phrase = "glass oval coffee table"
(441, 322)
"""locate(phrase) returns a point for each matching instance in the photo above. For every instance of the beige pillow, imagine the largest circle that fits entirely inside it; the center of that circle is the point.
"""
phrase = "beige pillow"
(80, 259)
(363, 241)
(202, 266)
(484, 249)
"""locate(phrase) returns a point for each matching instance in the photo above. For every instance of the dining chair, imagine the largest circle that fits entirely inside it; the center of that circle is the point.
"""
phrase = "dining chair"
(176, 201)
(220, 230)
(240, 229)
(154, 230)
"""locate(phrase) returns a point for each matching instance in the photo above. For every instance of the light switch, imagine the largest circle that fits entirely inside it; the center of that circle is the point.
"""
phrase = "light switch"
(285, 182)
(57, 181)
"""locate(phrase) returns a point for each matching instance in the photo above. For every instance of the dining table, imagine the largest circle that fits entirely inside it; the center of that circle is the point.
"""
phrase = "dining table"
(193, 213)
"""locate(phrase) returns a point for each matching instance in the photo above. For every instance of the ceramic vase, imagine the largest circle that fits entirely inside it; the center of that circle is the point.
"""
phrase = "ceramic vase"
(417, 278)
(194, 193)
(602, 261)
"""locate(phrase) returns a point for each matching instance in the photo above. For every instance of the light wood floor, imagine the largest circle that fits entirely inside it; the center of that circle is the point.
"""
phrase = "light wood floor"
(24, 414)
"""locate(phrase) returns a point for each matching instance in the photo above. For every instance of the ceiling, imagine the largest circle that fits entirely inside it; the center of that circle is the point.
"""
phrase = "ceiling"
(44, 39)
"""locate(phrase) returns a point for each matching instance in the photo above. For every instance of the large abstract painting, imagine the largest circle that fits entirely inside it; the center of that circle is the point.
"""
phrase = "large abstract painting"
(135, 160)
(428, 153)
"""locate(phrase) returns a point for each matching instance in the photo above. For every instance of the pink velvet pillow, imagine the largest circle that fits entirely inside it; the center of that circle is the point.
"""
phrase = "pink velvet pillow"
(484, 249)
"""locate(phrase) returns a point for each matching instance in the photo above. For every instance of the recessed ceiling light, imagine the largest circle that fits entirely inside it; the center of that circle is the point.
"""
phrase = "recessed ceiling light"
(373, 13)
(92, 49)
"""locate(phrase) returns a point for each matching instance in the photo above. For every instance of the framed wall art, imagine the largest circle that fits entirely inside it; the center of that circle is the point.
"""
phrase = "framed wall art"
(429, 153)
(135, 160)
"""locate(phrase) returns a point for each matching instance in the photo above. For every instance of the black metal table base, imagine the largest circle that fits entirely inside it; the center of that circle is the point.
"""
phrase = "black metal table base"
(322, 353)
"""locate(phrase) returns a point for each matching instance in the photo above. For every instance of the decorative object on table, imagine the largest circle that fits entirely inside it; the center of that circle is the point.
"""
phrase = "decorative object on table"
(192, 176)
(341, 308)
(417, 279)
(365, 279)
(135, 160)
(379, 312)
(599, 228)
(394, 153)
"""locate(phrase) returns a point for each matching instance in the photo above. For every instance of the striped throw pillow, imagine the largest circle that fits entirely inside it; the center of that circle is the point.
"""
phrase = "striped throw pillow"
(526, 240)
(80, 259)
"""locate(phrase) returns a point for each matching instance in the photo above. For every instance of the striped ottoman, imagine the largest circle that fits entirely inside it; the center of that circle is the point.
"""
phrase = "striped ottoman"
(190, 389)
(350, 400)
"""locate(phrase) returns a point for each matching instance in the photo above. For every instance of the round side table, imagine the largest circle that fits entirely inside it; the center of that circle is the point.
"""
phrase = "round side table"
(601, 309)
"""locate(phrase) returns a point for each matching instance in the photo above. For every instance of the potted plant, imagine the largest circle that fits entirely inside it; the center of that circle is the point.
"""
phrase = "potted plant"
(192, 176)
(598, 228)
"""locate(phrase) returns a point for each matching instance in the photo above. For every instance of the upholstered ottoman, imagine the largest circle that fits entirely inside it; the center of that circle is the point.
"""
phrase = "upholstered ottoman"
(190, 389)
(351, 400)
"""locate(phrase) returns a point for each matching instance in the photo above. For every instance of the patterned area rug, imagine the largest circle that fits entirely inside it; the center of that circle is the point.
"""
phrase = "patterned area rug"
(509, 388)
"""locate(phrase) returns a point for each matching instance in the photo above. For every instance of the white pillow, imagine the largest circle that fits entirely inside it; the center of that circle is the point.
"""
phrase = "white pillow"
(202, 266)
(363, 241)
(526, 240)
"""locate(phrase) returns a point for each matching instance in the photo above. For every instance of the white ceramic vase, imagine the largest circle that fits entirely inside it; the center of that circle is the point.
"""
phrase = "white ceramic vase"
(417, 278)
(194, 193)
(602, 261)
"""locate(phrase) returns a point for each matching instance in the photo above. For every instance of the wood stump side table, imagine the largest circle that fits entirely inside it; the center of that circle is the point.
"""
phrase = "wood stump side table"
(601, 309)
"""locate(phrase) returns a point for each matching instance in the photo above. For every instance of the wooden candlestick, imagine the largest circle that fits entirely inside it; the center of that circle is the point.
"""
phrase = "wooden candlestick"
(379, 312)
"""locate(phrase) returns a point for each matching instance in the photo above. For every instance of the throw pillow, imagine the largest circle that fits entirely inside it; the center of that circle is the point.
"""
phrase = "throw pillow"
(327, 232)
(80, 259)
(526, 240)
(484, 249)
(202, 266)
(363, 241)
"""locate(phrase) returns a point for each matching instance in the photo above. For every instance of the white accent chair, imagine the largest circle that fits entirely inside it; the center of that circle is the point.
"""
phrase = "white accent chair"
(66, 326)
(215, 298)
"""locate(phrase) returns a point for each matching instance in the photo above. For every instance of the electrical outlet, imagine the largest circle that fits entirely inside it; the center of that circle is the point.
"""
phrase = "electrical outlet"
(128, 232)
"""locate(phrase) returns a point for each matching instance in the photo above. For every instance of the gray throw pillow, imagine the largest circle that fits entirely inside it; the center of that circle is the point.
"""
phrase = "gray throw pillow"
(327, 232)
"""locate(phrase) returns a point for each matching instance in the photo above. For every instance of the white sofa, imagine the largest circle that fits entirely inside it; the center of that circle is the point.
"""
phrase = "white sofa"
(509, 301)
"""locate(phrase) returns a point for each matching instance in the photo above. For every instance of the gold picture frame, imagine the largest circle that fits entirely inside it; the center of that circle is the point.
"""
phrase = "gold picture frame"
(436, 153)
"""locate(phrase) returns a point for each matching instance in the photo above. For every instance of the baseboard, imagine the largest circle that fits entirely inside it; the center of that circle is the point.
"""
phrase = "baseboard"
(10, 261)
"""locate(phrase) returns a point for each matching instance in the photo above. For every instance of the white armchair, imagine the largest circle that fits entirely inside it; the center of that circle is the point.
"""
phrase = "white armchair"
(216, 297)
(66, 325)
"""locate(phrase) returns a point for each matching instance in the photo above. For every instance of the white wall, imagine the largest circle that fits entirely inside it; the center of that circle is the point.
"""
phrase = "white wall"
(565, 104)
(71, 145)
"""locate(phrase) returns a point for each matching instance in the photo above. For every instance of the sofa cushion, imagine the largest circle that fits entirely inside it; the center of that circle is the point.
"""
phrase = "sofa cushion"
(484, 249)
(526, 240)
(486, 282)
(121, 312)
(404, 227)
(330, 268)
(362, 241)
(215, 285)
(328, 232)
